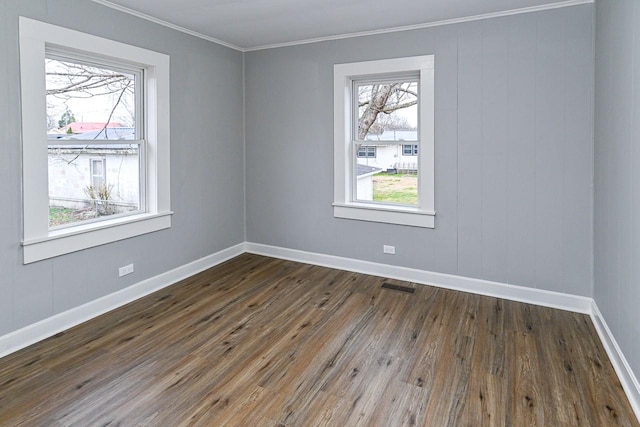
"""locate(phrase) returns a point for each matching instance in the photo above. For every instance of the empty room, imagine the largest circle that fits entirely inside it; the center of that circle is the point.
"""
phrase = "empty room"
(320, 213)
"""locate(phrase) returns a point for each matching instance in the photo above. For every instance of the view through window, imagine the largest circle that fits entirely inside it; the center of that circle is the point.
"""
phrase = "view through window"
(387, 117)
(94, 140)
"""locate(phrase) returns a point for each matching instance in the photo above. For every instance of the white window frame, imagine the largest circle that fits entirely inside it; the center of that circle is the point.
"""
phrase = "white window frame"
(39, 242)
(345, 204)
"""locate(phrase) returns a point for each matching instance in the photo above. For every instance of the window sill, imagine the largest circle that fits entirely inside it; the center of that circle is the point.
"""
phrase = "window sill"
(60, 242)
(413, 217)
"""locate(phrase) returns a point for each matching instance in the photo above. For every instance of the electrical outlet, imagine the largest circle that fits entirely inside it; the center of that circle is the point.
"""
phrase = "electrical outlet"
(127, 269)
(388, 249)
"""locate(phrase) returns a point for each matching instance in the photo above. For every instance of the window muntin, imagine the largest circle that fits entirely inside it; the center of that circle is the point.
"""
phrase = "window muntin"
(348, 200)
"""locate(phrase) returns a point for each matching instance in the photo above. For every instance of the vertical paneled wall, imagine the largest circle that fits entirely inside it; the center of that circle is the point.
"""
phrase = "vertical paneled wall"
(617, 172)
(514, 150)
(207, 166)
(514, 156)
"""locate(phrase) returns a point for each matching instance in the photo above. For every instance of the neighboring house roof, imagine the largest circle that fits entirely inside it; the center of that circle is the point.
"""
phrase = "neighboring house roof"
(94, 137)
(394, 135)
(364, 170)
(108, 133)
(60, 132)
(81, 127)
(93, 147)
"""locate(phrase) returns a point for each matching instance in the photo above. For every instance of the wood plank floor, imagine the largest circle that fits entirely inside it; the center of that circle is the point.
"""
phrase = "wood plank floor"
(263, 342)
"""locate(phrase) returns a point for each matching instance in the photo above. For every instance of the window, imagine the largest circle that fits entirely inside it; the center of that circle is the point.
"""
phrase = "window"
(365, 151)
(98, 178)
(409, 150)
(89, 104)
(107, 98)
(382, 105)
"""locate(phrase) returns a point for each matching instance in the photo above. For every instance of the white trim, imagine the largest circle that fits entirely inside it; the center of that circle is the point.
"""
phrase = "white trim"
(530, 9)
(540, 297)
(627, 378)
(104, 232)
(519, 11)
(381, 213)
(48, 327)
(166, 24)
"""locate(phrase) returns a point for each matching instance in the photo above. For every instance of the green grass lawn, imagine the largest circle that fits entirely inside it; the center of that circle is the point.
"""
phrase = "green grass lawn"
(394, 188)
(60, 216)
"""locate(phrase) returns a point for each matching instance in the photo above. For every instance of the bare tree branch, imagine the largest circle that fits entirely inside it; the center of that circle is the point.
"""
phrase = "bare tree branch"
(392, 108)
(382, 98)
(87, 84)
(106, 125)
(68, 83)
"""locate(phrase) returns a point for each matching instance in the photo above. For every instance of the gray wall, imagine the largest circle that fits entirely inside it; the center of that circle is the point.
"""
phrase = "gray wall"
(514, 155)
(514, 150)
(617, 172)
(207, 166)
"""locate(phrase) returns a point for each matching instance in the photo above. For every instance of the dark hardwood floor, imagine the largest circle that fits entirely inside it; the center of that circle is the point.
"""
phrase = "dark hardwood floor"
(263, 342)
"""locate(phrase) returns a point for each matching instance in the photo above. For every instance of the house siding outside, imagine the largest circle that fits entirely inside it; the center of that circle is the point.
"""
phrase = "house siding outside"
(391, 156)
(70, 177)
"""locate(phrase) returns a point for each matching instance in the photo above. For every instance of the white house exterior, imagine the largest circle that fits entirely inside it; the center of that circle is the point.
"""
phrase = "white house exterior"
(74, 168)
(402, 157)
(364, 190)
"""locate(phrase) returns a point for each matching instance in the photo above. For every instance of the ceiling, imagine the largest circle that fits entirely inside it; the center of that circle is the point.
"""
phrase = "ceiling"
(251, 24)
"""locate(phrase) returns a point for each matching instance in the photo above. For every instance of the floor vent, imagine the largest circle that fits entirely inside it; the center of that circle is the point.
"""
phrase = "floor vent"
(398, 288)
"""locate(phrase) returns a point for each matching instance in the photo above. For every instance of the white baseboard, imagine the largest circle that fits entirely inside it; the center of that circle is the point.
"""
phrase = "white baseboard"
(627, 378)
(31, 334)
(50, 326)
(541, 297)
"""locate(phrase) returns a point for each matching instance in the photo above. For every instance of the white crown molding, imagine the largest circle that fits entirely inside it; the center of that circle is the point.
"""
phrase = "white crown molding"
(530, 9)
(627, 378)
(567, 3)
(166, 24)
(540, 297)
(50, 326)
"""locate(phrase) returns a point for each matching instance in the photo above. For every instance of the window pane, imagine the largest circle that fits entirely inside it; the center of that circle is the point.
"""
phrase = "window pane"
(409, 150)
(365, 151)
(92, 181)
(89, 102)
(385, 179)
(387, 111)
(97, 173)
(98, 168)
